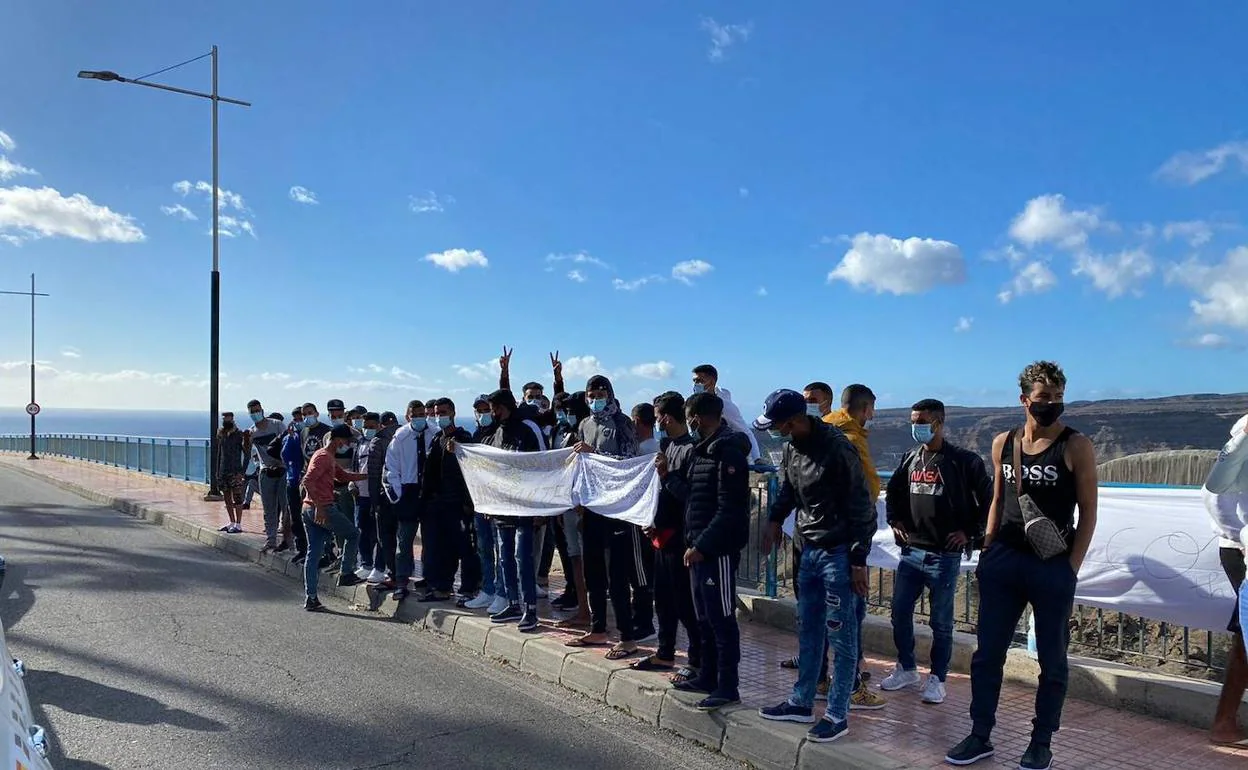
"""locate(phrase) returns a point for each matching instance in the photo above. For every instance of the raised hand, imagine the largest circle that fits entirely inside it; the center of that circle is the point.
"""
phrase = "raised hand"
(504, 361)
(555, 364)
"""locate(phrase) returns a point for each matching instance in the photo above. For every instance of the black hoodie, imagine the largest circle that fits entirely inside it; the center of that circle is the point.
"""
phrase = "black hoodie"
(717, 511)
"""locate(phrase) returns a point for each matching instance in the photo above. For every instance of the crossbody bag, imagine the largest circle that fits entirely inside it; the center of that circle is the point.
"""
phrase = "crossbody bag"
(1041, 532)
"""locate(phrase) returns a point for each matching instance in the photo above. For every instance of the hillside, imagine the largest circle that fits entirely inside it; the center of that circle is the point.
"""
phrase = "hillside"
(1117, 427)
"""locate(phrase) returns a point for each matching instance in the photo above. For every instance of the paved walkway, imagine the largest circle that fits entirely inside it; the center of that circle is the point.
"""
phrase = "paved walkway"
(1092, 737)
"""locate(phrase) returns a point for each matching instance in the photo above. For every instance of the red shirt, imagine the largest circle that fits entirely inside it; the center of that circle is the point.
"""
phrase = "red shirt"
(318, 481)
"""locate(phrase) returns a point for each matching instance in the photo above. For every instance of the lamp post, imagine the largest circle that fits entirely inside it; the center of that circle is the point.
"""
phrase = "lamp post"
(32, 408)
(214, 386)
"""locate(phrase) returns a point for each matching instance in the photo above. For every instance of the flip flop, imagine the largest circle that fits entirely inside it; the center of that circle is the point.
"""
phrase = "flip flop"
(580, 642)
(683, 674)
(650, 663)
(618, 653)
(789, 663)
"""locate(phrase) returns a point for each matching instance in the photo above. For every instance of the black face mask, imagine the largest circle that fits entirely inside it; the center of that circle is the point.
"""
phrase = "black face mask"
(227, 424)
(1046, 414)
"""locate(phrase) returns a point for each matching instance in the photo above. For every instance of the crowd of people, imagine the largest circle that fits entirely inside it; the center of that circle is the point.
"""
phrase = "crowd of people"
(350, 496)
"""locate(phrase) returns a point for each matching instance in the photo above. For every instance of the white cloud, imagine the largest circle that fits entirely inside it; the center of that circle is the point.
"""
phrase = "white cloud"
(1046, 219)
(403, 374)
(636, 283)
(300, 194)
(1118, 274)
(9, 169)
(27, 212)
(1209, 341)
(762, 291)
(743, 192)
(1222, 299)
(179, 211)
(659, 370)
(888, 264)
(686, 271)
(1192, 167)
(12, 240)
(478, 371)
(579, 258)
(1035, 278)
(6, 142)
(577, 276)
(964, 324)
(352, 386)
(1196, 232)
(582, 366)
(274, 376)
(455, 260)
(429, 203)
(724, 36)
(71, 352)
(230, 227)
(227, 198)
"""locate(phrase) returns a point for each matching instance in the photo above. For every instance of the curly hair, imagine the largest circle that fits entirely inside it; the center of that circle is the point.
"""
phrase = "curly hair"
(1044, 372)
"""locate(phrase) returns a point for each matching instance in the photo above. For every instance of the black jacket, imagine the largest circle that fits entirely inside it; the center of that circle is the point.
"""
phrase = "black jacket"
(717, 510)
(377, 461)
(443, 485)
(963, 507)
(821, 476)
(675, 489)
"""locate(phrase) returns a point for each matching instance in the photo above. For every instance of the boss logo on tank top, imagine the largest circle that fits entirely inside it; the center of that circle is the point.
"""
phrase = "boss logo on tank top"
(1042, 475)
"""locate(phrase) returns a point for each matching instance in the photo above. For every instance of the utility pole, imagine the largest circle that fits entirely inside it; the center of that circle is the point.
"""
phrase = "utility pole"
(32, 408)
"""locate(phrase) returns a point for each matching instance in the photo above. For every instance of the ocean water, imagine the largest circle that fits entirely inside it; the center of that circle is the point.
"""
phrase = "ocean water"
(115, 422)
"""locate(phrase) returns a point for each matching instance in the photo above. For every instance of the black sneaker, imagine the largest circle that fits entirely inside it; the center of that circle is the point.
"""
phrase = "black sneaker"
(345, 581)
(565, 601)
(399, 594)
(529, 622)
(694, 685)
(715, 703)
(282, 546)
(826, 731)
(312, 604)
(1036, 757)
(509, 615)
(970, 751)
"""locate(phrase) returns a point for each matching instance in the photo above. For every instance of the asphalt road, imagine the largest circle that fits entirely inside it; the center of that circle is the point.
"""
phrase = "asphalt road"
(144, 650)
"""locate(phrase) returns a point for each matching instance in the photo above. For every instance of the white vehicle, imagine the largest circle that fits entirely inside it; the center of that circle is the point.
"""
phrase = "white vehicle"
(28, 748)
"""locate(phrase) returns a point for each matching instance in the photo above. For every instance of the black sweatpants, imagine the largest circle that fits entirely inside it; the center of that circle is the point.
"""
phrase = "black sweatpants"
(714, 584)
(439, 549)
(629, 580)
(469, 561)
(673, 602)
(561, 546)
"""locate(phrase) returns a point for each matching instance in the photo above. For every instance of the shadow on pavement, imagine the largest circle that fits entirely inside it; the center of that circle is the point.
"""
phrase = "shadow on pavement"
(111, 704)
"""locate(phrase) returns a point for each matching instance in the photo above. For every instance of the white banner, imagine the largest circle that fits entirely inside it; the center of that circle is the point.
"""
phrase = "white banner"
(548, 483)
(1154, 554)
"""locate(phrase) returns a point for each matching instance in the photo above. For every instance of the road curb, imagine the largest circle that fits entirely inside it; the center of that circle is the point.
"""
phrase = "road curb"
(738, 732)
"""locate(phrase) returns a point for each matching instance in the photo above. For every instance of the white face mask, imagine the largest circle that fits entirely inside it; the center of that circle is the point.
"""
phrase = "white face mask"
(813, 410)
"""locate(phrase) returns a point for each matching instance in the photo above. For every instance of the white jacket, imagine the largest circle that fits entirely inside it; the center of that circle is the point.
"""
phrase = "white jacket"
(402, 461)
(1226, 489)
(733, 415)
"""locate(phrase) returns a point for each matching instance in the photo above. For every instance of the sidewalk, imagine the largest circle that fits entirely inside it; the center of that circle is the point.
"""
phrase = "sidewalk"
(907, 732)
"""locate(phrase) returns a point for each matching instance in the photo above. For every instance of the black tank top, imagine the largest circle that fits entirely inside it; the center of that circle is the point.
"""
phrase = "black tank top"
(1049, 483)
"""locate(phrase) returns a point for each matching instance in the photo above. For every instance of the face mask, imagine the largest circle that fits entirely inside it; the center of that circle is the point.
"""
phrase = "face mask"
(256, 417)
(777, 435)
(598, 405)
(869, 423)
(370, 432)
(309, 421)
(812, 410)
(921, 433)
(699, 387)
(1046, 413)
(534, 403)
(336, 421)
(444, 422)
(417, 423)
(661, 435)
(563, 418)
(485, 420)
(694, 434)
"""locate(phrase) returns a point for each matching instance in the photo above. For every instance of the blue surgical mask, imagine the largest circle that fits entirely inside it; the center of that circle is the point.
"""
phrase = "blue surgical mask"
(777, 435)
(699, 387)
(357, 424)
(869, 424)
(563, 418)
(370, 432)
(661, 435)
(257, 417)
(921, 432)
(598, 405)
(485, 420)
(444, 422)
(813, 410)
(335, 421)
(309, 422)
(533, 402)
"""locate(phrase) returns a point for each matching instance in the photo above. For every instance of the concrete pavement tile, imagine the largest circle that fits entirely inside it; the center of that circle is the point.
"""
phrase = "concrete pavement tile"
(506, 643)
(589, 674)
(847, 756)
(680, 716)
(545, 659)
(637, 693)
(763, 744)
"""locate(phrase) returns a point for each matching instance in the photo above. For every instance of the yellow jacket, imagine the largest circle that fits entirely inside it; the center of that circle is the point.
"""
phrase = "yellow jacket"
(858, 437)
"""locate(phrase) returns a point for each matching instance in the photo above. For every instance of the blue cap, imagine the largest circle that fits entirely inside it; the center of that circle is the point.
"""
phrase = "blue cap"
(781, 405)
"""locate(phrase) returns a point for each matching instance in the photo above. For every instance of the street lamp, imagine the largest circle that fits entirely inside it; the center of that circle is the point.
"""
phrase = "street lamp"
(214, 396)
(32, 408)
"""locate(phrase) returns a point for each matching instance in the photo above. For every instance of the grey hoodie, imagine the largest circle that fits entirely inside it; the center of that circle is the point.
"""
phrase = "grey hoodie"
(610, 432)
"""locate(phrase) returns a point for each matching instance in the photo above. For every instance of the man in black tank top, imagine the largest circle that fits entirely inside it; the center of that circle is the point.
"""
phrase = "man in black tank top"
(1058, 474)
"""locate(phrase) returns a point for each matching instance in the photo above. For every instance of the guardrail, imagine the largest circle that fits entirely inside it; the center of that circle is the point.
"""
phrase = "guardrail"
(174, 458)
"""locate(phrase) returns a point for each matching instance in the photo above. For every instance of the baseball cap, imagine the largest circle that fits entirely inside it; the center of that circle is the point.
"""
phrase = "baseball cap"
(781, 405)
(389, 418)
(359, 409)
(335, 403)
(481, 399)
(372, 416)
(341, 431)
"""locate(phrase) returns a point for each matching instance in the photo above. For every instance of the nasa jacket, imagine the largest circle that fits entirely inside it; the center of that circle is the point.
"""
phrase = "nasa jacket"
(821, 476)
(717, 506)
(932, 496)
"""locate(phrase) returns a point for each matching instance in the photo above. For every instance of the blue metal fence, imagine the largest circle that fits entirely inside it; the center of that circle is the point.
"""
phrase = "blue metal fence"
(175, 458)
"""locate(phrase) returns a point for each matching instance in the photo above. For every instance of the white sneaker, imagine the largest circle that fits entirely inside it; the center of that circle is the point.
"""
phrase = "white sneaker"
(376, 576)
(362, 573)
(933, 690)
(479, 602)
(541, 593)
(499, 604)
(900, 679)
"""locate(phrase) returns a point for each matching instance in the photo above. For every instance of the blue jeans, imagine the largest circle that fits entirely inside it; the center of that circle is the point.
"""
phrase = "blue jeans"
(516, 540)
(487, 550)
(337, 526)
(827, 611)
(938, 573)
(367, 523)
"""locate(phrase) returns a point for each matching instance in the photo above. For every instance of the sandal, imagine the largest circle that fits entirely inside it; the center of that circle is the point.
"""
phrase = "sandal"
(619, 653)
(434, 596)
(683, 674)
(650, 663)
(580, 641)
(790, 663)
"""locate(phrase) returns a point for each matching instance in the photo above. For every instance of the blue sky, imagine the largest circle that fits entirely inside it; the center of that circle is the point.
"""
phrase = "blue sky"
(919, 199)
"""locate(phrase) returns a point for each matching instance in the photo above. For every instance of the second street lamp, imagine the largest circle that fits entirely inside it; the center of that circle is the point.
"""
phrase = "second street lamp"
(214, 396)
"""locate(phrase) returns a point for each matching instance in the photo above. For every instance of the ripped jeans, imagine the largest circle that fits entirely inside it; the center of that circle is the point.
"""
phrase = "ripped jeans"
(826, 612)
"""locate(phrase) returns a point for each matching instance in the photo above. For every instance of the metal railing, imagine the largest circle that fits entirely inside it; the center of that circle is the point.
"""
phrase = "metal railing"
(1096, 632)
(174, 458)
